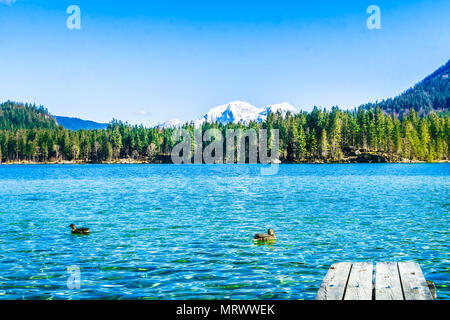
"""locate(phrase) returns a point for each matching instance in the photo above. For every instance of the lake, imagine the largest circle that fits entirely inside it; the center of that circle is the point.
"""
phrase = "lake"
(185, 232)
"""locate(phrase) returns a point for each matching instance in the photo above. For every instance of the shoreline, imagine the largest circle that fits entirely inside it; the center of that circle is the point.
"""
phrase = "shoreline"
(128, 161)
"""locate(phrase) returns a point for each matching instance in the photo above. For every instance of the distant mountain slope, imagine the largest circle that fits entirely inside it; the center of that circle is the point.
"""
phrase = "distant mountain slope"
(274, 108)
(171, 124)
(15, 115)
(432, 93)
(79, 124)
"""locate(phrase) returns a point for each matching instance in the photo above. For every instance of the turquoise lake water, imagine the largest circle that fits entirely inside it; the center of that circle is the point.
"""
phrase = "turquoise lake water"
(184, 232)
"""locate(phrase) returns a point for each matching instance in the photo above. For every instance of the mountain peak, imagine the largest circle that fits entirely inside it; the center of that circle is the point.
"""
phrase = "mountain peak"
(235, 111)
(171, 124)
(242, 112)
(282, 107)
(430, 94)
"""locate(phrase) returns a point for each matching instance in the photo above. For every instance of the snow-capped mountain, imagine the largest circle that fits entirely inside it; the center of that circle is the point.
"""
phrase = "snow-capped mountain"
(235, 112)
(243, 112)
(171, 124)
(282, 107)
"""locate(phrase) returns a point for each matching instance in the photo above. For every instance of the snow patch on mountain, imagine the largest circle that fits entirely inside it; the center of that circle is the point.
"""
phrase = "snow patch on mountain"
(171, 124)
(282, 107)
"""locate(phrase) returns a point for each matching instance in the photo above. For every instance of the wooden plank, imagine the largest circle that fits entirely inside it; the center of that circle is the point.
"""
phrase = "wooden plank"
(387, 282)
(360, 282)
(413, 282)
(432, 288)
(333, 285)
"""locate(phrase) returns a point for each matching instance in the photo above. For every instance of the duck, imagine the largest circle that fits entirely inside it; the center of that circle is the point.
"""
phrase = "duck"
(269, 236)
(79, 230)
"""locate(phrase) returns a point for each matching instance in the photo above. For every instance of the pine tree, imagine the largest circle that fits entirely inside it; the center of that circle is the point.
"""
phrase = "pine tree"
(301, 143)
(324, 144)
(336, 135)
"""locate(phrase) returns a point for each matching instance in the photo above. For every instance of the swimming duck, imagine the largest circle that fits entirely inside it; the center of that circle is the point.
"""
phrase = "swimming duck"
(269, 236)
(79, 230)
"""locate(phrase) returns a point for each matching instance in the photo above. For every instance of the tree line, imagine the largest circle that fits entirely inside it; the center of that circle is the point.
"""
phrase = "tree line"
(16, 115)
(317, 136)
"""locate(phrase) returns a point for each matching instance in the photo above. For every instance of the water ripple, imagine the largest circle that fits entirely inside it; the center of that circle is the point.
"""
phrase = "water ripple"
(184, 232)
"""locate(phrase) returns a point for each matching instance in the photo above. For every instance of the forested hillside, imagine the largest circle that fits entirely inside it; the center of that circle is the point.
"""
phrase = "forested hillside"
(320, 136)
(432, 93)
(24, 116)
(414, 126)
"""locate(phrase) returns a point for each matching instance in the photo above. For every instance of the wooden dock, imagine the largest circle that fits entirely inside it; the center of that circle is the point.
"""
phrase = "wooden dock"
(391, 281)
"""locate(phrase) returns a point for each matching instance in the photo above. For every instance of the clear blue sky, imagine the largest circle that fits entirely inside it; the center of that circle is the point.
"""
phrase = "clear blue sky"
(149, 61)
